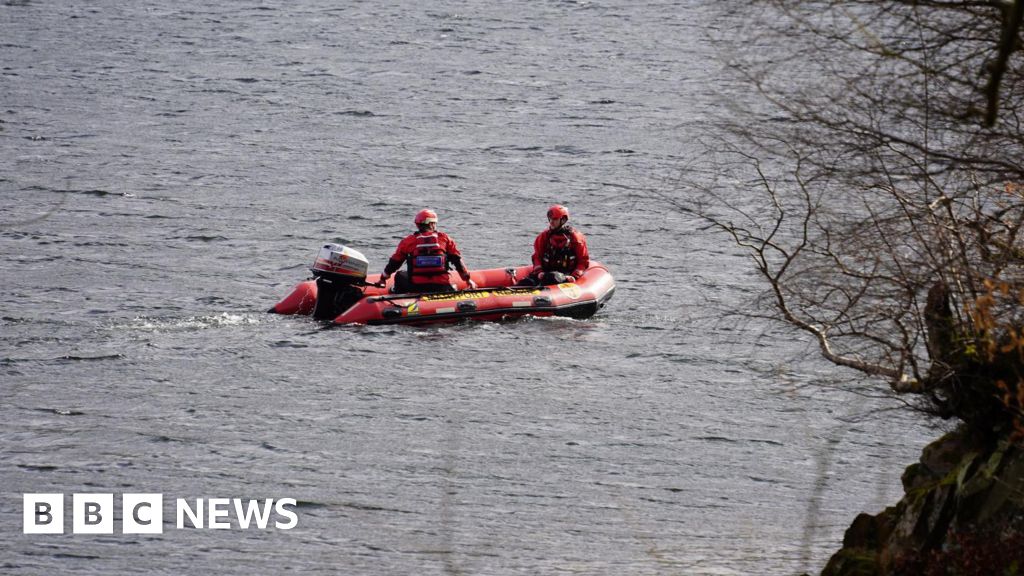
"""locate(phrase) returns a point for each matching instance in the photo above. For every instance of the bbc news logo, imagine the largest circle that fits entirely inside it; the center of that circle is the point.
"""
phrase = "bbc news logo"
(144, 513)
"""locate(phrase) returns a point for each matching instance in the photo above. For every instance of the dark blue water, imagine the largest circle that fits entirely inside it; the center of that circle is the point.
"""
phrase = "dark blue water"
(167, 171)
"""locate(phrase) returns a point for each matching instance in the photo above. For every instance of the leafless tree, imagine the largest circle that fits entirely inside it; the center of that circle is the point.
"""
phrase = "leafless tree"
(876, 176)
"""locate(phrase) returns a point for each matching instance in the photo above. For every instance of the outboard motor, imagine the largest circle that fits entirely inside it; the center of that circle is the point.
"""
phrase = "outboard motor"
(339, 272)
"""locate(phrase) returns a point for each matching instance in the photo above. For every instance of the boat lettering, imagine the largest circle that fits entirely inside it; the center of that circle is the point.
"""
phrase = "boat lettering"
(571, 290)
(451, 296)
(454, 296)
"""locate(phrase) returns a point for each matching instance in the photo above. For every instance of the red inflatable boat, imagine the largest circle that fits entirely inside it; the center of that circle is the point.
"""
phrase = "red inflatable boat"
(341, 292)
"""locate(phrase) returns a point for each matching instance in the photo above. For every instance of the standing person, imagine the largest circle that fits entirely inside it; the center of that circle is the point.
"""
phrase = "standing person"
(428, 255)
(559, 252)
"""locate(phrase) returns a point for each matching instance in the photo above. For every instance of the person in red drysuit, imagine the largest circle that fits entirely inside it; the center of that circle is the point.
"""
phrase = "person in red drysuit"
(559, 252)
(428, 255)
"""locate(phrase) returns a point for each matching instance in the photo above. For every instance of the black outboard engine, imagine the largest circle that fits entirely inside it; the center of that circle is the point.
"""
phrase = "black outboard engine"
(339, 272)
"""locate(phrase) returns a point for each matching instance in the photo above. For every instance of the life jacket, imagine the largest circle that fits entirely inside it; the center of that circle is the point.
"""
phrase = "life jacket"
(560, 252)
(428, 258)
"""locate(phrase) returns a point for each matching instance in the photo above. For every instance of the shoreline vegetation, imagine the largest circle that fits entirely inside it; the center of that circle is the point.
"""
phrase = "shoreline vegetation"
(875, 175)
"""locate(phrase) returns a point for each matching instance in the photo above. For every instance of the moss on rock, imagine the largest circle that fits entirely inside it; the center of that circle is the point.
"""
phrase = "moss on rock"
(960, 489)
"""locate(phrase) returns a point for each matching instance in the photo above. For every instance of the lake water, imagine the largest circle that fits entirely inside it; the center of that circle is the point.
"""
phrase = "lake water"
(167, 172)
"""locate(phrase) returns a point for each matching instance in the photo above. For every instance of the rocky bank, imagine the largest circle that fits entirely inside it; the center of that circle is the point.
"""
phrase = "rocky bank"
(962, 514)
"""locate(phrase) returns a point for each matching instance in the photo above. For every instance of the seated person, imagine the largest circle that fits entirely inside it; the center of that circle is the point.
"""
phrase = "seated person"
(559, 252)
(429, 255)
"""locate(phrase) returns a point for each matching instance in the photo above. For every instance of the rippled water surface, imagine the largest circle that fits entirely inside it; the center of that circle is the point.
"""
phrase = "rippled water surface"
(167, 171)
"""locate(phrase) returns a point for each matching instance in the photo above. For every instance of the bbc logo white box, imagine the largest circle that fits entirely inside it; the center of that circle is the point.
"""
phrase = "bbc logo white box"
(92, 513)
(142, 513)
(43, 514)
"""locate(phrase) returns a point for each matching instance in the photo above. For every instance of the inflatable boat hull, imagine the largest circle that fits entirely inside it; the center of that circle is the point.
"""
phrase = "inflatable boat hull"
(496, 299)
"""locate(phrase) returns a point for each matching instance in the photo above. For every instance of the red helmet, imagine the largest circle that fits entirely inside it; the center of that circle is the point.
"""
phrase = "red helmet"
(425, 216)
(557, 211)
